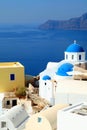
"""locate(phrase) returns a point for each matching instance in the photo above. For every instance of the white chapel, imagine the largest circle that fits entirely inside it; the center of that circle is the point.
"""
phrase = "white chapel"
(57, 84)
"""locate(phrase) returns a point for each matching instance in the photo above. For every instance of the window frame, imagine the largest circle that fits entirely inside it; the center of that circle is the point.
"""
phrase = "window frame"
(80, 57)
(8, 102)
(3, 124)
(39, 119)
(12, 77)
(66, 56)
(72, 57)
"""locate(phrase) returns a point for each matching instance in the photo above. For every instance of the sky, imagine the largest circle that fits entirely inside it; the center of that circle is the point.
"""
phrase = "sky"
(39, 11)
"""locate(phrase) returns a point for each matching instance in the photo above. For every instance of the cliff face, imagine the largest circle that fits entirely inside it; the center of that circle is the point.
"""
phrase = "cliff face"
(79, 23)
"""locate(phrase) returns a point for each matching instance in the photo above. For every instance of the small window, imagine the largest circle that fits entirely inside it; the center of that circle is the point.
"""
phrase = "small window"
(66, 56)
(79, 57)
(14, 102)
(45, 83)
(72, 57)
(39, 119)
(12, 76)
(3, 124)
(8, 102)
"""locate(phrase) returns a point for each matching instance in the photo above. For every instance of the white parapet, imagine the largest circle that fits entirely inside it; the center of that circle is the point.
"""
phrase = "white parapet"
(73, 117)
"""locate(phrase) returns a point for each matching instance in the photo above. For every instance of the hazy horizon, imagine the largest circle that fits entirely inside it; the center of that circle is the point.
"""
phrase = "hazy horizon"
(39, 11)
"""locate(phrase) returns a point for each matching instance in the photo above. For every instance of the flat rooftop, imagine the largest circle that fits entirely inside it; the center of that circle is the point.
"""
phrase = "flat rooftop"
(10, 64)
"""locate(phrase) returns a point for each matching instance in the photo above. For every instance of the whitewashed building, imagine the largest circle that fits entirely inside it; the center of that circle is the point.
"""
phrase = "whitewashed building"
(73, 117)
(14, 119)
(51, 84)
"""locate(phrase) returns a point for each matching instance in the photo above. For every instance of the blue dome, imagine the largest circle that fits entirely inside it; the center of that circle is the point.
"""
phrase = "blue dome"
(46, 77)
(64, 68)
(74, 48)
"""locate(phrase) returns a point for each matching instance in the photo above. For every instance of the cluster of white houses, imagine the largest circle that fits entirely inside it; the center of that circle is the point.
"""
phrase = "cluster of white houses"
(57, 85)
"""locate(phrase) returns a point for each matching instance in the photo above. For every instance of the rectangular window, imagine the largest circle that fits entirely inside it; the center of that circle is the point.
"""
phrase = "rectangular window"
(12, 76)
(14, 102)
(3, 124)
(8, 102)
(39, 119)
(72, 57)
(79, 57)
(66, 56)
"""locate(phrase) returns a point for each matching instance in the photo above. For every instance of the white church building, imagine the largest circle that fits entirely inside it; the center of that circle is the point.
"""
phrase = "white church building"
(57, 84)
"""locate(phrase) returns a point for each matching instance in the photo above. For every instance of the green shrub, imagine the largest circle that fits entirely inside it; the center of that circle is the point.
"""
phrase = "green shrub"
(21, 92)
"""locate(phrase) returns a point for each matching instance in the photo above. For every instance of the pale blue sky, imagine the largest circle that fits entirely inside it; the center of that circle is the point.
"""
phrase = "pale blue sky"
(38, 11)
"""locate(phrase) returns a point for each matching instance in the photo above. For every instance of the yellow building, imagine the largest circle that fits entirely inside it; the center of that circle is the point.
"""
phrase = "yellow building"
(11, 76)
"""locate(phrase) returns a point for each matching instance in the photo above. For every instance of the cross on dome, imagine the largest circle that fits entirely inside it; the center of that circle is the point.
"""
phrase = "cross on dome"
(74, 41)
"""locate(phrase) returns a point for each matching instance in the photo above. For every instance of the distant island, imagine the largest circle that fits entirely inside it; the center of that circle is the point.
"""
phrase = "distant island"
(78, 23)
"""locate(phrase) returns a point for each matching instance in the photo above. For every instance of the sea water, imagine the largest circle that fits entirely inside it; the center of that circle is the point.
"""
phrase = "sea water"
(34, 48)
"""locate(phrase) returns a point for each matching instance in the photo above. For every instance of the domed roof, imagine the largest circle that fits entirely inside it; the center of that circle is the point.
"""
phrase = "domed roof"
(74, 48)
(64, 68)
(46, 77)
